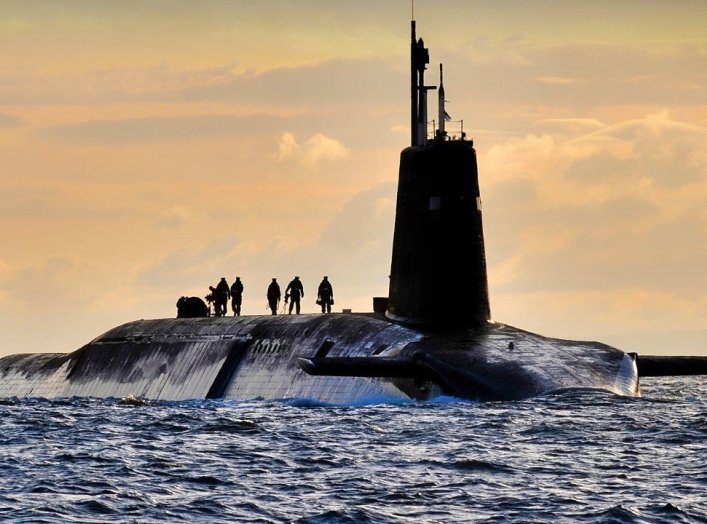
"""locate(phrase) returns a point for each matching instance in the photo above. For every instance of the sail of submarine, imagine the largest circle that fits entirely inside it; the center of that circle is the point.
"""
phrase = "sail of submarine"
(434, 338)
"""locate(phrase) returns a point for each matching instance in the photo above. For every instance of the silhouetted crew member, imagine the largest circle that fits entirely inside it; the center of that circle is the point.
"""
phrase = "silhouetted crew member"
(295, 291)
(211, 299)
(236, 296)
(274, 296)
(325, 295)
(222, 294)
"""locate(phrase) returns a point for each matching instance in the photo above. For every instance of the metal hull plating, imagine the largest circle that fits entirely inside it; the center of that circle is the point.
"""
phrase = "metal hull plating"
(261, 357)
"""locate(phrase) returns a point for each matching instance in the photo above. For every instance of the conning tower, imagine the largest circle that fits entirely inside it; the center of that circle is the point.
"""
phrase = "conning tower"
(438, 269)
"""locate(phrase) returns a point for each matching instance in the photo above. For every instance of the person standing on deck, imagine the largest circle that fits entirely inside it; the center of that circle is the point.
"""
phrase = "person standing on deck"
(222, 294)
(295, 291)
(325, 295)
(274, 296)
(236, 297)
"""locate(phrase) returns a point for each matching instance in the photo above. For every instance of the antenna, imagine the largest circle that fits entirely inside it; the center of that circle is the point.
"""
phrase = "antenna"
(412, 9)
(443, 116)
(419, 58)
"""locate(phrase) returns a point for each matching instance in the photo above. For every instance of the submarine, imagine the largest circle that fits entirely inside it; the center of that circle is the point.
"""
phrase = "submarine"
(431, 337)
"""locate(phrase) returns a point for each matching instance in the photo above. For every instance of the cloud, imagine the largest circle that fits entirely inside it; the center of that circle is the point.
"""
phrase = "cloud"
(656, 148)
(10, 121)
(255, 104)
(570, 126)
(288, 146)
(627, 156)
(189, 267)
(58, 280)
(624, 317)
(353, 249)
(321, 148)
(606, 83)
(364, 223)
(614, 208)
(317, 149)
(52, 204)
(160, 129)
(175, 217)
(320, 85)
(116, 84)
(400, 129)
(556, 80)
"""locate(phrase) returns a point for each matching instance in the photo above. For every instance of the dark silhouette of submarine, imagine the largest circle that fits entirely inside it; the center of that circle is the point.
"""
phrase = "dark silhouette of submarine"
(431, 337)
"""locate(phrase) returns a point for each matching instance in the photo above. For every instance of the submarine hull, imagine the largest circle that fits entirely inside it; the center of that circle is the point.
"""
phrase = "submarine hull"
(337, 359)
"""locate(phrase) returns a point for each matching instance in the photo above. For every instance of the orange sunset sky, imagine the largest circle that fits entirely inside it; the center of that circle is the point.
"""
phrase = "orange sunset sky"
(149, 148)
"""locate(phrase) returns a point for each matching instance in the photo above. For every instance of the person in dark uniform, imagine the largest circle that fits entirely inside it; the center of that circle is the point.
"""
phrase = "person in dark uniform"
(236, 297)
(274, 296)
(295, 291)
(211, 299)
(325, 295)
(223, 291)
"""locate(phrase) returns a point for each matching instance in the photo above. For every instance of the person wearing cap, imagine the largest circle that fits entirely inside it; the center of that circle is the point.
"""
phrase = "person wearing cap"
(221, 295)
(236, 297)
(325, 295)
(294, 292)
(274, 296)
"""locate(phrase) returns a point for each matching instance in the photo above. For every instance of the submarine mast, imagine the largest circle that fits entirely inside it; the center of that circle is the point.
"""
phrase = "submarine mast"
(441, 111)
(413, 86)
(438, 268)
(419, 58)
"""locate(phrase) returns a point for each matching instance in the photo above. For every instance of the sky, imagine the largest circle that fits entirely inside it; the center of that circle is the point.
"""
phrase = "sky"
(149, 148)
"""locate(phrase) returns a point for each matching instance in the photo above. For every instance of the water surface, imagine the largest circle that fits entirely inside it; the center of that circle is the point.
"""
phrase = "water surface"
(574, 456)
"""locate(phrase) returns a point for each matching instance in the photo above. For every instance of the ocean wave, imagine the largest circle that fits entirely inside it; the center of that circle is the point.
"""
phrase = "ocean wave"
(570, 457)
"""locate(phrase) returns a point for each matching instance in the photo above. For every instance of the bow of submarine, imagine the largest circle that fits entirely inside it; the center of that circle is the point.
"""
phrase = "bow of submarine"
(490, 362)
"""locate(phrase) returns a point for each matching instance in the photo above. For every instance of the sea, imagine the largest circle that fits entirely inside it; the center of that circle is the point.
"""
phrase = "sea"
(568, 456)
